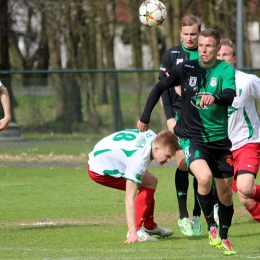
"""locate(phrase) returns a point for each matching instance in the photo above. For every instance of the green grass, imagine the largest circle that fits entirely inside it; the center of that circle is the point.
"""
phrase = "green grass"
(84, 220)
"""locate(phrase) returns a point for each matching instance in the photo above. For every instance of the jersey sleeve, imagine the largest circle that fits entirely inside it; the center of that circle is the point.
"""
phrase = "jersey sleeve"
(167, 65)
(167, 103)
(228, 77)
(255, 86)
(169, 79)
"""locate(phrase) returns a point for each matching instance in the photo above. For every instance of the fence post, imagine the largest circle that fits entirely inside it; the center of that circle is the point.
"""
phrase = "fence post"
(116, 102)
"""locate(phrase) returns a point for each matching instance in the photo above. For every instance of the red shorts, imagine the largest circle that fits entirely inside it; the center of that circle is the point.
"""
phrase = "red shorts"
(107, 180)
(246, 160)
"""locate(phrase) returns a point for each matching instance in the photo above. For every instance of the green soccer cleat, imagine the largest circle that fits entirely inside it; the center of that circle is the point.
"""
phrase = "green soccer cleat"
(196, 226)
(226, 247)
(214, 238)
(185, 226)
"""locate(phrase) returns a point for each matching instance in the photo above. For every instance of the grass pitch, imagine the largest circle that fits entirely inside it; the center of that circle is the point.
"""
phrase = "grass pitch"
(59, 213)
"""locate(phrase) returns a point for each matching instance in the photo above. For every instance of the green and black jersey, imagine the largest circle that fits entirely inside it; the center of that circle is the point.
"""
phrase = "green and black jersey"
(171, 58)
(207, 124)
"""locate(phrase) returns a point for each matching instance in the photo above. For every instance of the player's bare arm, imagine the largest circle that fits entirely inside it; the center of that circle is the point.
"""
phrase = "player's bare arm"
(178, 90)
(131, 190)
(4, 122)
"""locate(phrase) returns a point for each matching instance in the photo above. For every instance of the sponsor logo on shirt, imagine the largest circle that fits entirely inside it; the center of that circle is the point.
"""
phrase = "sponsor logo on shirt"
(178, 61)
(143, 140)
(193, 81)
(189, 66)
(195, 101)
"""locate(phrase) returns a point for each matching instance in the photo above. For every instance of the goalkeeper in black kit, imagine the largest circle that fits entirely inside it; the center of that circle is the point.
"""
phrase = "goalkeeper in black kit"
(207, 88)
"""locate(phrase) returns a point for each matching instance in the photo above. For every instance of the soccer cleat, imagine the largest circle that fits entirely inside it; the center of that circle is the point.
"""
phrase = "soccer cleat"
(214, 238)
(216, 214)
(143, 236)
(196, 226)
(160, 231)
(185, 226)
(226, 247)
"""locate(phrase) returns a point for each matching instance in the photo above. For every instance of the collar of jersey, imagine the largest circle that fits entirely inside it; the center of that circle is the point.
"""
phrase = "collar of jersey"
(151, 155)
(217, 61)
(189, 50)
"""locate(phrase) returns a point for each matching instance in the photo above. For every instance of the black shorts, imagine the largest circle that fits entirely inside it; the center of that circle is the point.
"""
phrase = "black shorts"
(217, 155)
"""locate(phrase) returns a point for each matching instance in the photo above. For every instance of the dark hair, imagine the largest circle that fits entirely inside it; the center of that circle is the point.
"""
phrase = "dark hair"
(190, 20)
(228, 42)
(211, 33)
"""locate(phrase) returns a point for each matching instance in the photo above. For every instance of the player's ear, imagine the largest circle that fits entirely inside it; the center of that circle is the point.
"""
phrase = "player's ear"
(235, 58)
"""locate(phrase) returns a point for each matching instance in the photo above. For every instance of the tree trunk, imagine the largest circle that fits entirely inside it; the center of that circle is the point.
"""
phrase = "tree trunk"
(4, 55)
(53, 36)
(136, 47)
(176, 22)
(109, 23)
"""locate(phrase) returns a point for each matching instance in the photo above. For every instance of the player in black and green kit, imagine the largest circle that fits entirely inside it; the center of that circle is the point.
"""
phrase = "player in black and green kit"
(190, 27)
(207, 88)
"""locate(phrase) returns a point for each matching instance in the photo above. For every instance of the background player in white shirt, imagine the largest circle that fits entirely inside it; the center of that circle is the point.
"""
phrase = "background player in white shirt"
(120, 161)
(244, 133)
(5, 100)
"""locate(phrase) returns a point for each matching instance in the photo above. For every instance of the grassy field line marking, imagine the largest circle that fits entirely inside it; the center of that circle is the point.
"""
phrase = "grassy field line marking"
(201, 256)
(44, 223)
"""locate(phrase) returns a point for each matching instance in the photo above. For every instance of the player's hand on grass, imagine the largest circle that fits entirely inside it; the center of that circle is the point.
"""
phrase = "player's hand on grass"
(143, 127)
(132, 238)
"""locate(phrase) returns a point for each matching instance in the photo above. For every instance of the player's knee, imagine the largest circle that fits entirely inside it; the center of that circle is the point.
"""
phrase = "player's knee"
(150, 181)
(154, 180)
(204, 181)
(182, 165)
(245, 190)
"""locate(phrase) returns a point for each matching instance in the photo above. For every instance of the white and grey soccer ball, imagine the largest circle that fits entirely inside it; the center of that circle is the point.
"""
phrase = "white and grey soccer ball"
(152, 13)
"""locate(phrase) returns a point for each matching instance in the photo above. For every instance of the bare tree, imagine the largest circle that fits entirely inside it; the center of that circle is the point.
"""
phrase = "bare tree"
(4, 54)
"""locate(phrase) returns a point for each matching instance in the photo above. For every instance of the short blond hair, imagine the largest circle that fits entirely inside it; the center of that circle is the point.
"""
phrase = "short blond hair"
(229, 43)
(169, 140)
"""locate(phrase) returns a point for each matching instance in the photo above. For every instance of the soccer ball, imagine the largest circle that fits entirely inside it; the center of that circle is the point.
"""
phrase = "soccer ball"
(152, 13)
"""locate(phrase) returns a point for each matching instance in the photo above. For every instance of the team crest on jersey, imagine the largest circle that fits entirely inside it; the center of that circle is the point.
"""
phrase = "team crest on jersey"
(213, 82)
(178, 61)
(193, 81)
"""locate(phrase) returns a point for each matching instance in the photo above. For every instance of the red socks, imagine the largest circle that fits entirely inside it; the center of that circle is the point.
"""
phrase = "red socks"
(256, 195)
(255, 211)
(144, 208)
